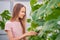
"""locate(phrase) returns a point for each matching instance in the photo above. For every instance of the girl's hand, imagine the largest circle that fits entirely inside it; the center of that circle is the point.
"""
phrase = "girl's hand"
(31, 33)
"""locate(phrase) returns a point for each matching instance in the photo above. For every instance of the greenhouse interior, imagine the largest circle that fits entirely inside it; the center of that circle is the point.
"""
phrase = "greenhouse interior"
(29, 19)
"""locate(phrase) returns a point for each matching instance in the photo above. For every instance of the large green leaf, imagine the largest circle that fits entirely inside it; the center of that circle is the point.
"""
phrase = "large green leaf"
(54, 15)
(5, 16)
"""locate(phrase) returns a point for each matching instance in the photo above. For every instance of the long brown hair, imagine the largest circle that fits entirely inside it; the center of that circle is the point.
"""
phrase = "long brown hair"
(15, 14)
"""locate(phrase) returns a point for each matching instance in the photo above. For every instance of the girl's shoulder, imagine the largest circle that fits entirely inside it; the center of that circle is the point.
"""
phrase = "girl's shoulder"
(8, 22)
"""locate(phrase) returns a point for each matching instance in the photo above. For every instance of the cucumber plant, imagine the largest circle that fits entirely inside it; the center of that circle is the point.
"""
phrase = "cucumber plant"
(45, 19)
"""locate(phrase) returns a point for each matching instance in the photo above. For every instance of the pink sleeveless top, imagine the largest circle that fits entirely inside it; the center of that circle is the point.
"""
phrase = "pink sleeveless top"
(15, 27)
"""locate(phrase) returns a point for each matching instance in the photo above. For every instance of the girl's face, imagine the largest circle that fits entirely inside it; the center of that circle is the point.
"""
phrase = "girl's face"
(22, 12)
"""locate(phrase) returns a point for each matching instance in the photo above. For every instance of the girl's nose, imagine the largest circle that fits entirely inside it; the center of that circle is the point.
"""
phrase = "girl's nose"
(23, 13)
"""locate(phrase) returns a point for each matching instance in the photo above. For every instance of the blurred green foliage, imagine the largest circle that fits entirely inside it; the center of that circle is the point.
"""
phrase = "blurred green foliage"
(47, 15)
(5, 15)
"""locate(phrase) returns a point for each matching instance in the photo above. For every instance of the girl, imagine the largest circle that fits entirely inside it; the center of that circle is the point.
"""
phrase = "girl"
(15, 27)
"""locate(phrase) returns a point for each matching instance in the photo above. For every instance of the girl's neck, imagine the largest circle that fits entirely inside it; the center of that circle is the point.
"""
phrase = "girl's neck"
(17, 20)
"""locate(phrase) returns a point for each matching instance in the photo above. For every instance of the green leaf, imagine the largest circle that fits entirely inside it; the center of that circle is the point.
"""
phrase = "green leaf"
(54, 15)
(34, 24)
(5, 16)
(35, 7)
(28, 20)
(2, 24)
(32, 2)
(58, 37)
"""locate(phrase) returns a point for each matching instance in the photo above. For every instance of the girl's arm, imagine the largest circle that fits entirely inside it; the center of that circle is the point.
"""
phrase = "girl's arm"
(10, 35)
(27, 34)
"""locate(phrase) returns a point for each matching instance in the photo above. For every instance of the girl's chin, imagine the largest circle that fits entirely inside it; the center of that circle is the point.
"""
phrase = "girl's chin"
(20, 17)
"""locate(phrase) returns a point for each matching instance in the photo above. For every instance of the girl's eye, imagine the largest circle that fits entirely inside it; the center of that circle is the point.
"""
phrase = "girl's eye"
(23, 11)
